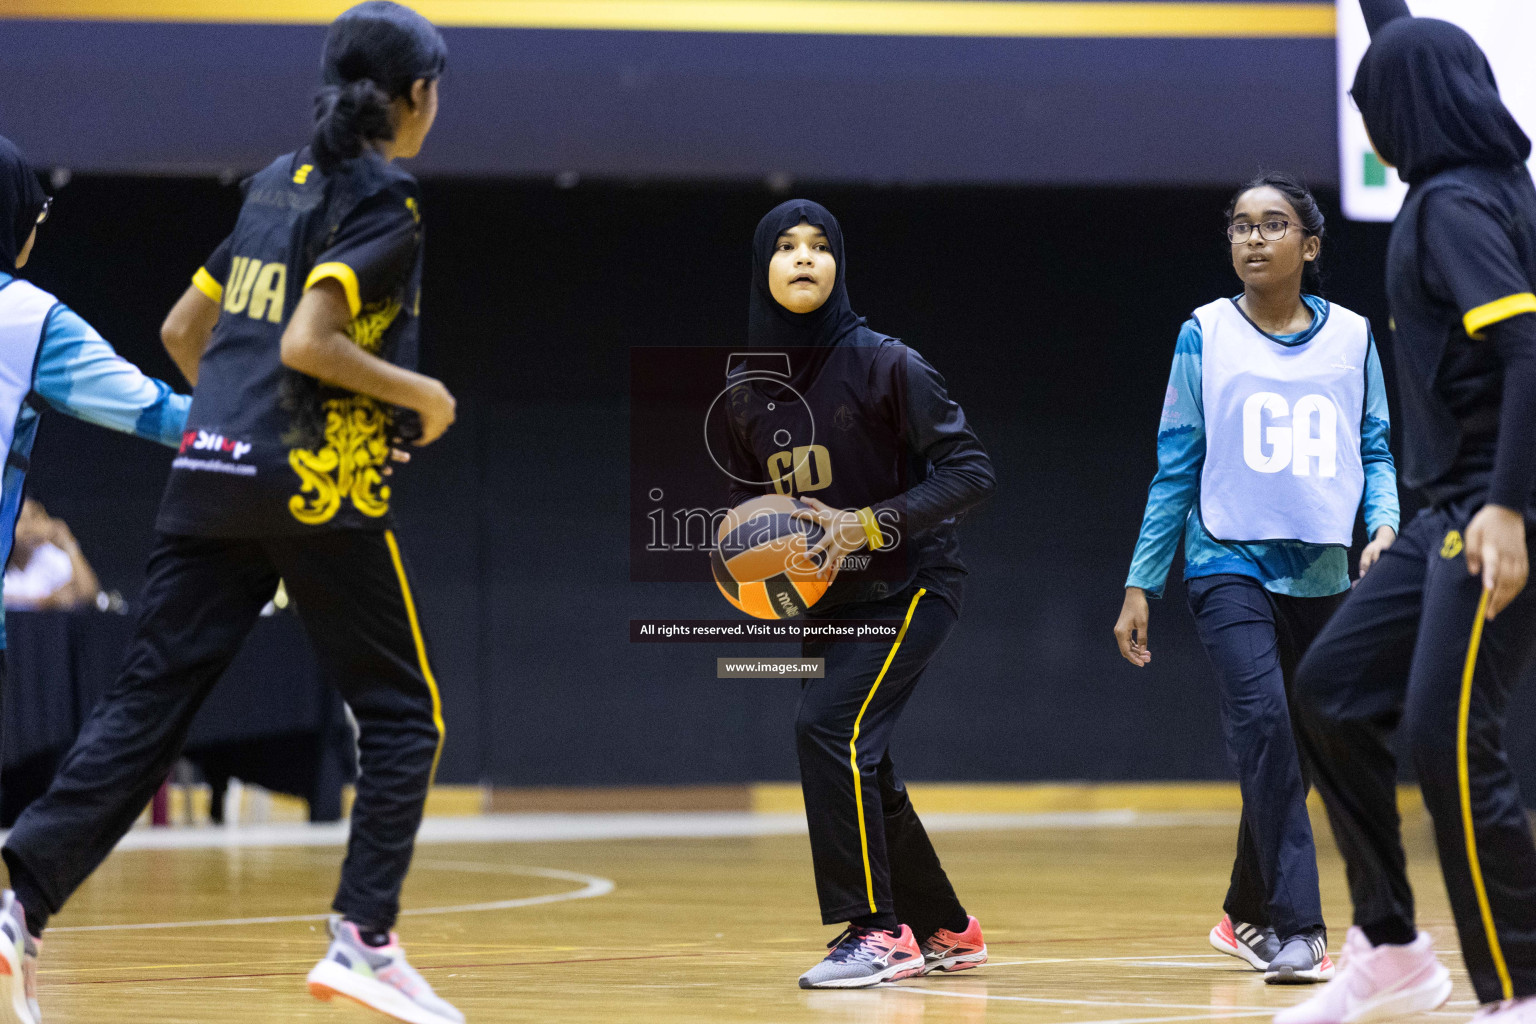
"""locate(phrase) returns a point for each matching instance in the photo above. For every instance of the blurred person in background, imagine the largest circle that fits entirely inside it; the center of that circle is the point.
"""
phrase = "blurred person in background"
(51, 358)
(47, 570)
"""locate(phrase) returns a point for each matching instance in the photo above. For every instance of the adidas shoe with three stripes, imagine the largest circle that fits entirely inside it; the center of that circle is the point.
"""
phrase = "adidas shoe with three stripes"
(1303, 960)
(1249, 943)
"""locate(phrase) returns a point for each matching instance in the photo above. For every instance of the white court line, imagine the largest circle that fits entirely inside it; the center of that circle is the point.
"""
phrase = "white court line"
(1117, 959)
(593, 886)
(1209, 1014)
(1160, 1020)
(1190, 1016)
(531, 828)
(1117, 1003)
(1168, 960)
(1224, 1015)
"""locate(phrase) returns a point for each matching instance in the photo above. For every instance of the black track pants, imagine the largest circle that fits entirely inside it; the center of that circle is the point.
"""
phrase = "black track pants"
(200, 600)
(870, 851)
(1406, 647)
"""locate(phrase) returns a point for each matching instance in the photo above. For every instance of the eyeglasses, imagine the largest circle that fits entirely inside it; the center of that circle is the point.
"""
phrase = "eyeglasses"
(43, 214)
(1269, 230)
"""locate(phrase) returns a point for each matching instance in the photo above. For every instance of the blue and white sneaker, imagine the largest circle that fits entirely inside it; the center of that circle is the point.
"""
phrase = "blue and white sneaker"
(1303, 960)
(18, 965)
(378, 977)
(862, 957)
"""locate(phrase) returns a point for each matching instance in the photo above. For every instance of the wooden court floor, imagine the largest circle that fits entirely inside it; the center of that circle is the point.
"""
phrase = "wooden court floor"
(1101, 925)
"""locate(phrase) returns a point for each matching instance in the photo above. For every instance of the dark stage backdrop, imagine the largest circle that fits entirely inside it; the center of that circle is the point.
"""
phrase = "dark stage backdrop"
(1052, 313)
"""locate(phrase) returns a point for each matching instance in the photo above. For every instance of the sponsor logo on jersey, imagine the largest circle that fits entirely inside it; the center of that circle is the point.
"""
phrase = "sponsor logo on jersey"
(208, 441)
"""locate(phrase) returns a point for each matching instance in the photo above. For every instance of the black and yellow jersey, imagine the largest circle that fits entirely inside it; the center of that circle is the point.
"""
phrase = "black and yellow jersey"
(268, 450)
(1462, 260)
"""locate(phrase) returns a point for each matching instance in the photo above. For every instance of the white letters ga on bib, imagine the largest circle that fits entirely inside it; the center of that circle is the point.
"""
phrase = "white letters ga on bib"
(1283, 423)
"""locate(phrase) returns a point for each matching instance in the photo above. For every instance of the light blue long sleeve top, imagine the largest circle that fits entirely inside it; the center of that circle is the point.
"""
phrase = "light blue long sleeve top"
(1292, 568)
(78, 373)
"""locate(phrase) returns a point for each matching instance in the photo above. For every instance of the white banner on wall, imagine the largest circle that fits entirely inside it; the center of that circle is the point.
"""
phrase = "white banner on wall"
(1505, 29)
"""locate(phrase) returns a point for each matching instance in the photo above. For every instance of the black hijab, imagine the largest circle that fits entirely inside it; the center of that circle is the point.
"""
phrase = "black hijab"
(770, 325)
(1379, 12)
(1430, 100)
(21, 201)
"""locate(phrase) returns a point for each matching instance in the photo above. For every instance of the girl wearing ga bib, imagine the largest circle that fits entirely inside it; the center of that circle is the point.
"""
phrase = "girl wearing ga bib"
(1273, 432)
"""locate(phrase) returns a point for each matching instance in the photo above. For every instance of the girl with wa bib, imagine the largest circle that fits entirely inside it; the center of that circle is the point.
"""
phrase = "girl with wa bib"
(1274, 430)
(301, 335)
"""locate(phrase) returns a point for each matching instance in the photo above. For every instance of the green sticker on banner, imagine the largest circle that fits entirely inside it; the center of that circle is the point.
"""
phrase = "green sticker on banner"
(1375, 171)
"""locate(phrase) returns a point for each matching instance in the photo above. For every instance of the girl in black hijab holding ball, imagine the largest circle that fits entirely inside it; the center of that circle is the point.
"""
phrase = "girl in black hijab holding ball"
(890, 468)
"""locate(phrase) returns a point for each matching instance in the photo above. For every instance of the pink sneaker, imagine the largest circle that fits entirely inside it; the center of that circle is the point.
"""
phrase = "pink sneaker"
(1375, 983)
(945, 950)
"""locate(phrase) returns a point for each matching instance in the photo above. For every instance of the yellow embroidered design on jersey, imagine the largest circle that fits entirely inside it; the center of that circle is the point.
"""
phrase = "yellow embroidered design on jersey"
(368, 327)
(348, 467)
(1452, 546)
(301, 175)
(411, 204)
